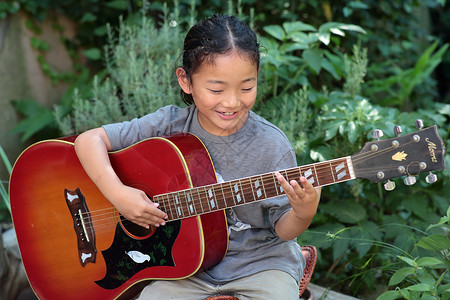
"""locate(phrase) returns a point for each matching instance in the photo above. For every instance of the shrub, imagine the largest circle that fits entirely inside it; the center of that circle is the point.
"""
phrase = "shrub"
(139, 77)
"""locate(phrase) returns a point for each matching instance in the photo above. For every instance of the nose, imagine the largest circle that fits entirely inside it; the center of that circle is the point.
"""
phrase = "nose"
(231, 100)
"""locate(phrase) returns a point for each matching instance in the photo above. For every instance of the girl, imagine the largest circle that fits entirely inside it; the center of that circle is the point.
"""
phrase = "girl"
(218, 79)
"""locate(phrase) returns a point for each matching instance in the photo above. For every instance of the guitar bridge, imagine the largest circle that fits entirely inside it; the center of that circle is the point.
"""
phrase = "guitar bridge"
(82, 224)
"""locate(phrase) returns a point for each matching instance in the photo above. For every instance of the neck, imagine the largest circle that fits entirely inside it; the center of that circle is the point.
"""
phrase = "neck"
(200, 200)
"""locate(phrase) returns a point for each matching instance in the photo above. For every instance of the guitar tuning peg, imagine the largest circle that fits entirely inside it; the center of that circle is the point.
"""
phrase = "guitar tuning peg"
(377, 134)
(398, 130)
(419, 124)
(431, 178)
(409, 180)
(389, 185)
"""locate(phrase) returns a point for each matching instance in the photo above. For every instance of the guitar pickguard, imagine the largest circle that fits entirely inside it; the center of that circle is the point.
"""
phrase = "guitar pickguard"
(127, 256)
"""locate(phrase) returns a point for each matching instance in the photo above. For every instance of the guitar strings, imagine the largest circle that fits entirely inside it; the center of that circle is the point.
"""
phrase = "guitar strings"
(109, 215)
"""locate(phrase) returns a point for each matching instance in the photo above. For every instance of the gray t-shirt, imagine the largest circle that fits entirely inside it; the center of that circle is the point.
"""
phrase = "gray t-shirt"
(258, 147)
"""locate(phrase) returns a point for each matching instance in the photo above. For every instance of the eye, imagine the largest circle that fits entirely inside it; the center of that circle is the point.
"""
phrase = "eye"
(215, 91)
(247, 90)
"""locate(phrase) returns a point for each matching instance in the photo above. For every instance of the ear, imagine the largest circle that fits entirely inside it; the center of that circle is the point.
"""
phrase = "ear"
(183, 80)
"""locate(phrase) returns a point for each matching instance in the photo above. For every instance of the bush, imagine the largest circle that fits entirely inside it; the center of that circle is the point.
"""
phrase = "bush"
(139, 78)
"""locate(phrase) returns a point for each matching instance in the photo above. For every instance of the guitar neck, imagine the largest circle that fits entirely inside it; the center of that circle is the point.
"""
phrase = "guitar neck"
(204, 199)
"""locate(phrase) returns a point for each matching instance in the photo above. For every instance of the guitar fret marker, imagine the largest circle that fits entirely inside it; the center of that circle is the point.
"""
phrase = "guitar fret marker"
(236, 193)
(189, 201)
(308, 175)
(340, 174)
(212, 203)
(258, 189)
(178, 206)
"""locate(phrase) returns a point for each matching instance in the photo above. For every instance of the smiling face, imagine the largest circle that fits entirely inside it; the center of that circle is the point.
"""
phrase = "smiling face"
(224, 91)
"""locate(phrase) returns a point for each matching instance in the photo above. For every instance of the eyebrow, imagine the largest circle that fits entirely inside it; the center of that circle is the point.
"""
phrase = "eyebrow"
(223, 82)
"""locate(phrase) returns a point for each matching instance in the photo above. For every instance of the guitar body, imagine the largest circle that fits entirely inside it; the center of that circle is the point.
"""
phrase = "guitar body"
(67, 257)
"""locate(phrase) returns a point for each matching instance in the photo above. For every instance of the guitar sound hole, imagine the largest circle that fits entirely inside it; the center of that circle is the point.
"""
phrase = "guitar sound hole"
(135, 230)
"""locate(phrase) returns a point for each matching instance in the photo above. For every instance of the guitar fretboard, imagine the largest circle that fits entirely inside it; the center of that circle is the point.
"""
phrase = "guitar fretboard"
(204, 199)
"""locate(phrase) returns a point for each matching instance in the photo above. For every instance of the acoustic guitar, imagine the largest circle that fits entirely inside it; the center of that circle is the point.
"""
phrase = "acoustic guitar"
(75, 245)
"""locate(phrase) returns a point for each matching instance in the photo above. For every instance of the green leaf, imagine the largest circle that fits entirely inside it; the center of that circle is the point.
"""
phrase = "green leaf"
(321, 153)
(358, 5)
(406, 294)
(417, 205)
(420, 287)
(324, 37)
(28, 107)
(88, 17)
(346, 211)
(390, 295)
(93, 53)
(313, 57)
(442, 221)
(300, 37)
(373, 229)
(39, 44)
(33, 124)
(332, 130)
(408, 260)
(328, 27)
(326, 64)
(5, 160)
(400, 275)
(352, 133)
(118, 4)
(351, 27)
(337, 31)
(276, 31)
(297, 26)
(429, 262)
(428, 297)
(434, 242)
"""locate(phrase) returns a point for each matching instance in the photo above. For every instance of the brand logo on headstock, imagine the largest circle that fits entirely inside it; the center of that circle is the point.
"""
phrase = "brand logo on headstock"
(431, 147)
(399, 156)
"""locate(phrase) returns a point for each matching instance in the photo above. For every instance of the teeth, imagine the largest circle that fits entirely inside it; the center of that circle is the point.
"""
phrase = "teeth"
(227, 113)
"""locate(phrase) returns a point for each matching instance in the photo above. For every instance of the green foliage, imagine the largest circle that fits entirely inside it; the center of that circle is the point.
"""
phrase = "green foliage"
(37, 118)
(292, 115)
(139, 78)
(425, 276)
(294, 54)
(5, 207)
(38, 121)
(397, 88)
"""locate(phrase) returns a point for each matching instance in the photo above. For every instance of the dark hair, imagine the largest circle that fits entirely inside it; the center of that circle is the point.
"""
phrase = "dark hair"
(216, 35)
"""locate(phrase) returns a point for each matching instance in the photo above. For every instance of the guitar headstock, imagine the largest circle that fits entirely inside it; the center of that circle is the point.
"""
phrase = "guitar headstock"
(402, 156)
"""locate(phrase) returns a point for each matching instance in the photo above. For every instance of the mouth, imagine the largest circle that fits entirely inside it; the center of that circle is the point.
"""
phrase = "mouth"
(227, 115)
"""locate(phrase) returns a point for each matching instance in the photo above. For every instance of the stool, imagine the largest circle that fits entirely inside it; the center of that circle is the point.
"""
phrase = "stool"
(310, 254)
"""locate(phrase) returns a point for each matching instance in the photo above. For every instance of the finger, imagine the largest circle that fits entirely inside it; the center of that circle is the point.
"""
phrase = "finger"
(151, 215)
(159, 212)
(298, 188)
(153, 208)
(287, 187)
(150, 221)
(310, 189)
(307, 186)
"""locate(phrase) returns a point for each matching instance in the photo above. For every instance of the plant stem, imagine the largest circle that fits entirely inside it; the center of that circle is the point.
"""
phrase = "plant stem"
(291, 82)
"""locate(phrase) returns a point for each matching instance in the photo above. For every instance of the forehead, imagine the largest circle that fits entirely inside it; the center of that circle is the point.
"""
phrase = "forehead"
(233, 63)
